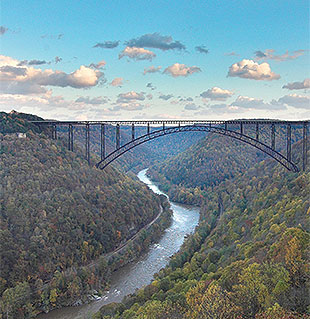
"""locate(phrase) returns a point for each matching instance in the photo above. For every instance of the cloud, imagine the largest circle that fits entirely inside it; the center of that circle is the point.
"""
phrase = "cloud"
(88, 100)
(192, 107)
(178, 69)
(202, 49)
(58, 59)
(130, 96)
(52, 36)
(98, 65)
(248, 69)
(137, 54)
(149, 96)
(269, 55)
(107, 45)
(3, 30)
(152, 69)
(30, 80)
(253, 103)
(298, 85)
(37, 62)
(117, 82)
(165, 97)
(217, 94)
(231, 53)
(129, 106)
(155, 41)
(150, 86)
(298, 101)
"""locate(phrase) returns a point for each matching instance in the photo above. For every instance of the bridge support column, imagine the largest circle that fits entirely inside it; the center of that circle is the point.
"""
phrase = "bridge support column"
(102, 142)
(117, 136)
(148, 128)
(164, 127)
(87, 144)
(225, 126)
(70, 137)
(273, 136)
(241, 128)
(304, 146)
(289, 142)
(132, 131)
(54, 132)
(257, 132)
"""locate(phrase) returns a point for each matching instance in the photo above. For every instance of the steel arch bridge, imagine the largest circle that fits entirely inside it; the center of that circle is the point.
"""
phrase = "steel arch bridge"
(154, 129)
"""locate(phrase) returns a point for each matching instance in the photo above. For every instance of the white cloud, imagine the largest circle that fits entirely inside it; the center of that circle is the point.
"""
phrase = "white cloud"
(129, 106)
(298, 101)
(117, 82)
(152, 69)
(248, 69)
(137, 54)
(130, 96)
(17, 79)
(178, 69)
(305, 84)
(217, 94)
(192, 107)
(88, 100)
(253, 103)
(165, 97)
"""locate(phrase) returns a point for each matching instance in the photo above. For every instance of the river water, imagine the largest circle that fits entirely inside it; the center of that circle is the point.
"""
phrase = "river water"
(139, 273)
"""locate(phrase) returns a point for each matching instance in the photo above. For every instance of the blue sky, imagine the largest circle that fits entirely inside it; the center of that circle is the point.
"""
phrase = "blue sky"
(213, 59)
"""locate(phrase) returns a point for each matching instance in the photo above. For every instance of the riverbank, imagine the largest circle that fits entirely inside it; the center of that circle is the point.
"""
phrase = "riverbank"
(140, 273)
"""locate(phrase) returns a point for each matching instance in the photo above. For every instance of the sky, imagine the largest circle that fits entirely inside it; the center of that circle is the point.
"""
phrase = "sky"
(131, 60)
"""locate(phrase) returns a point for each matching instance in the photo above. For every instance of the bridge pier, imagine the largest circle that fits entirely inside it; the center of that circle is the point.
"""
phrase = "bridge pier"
(257, 131)
(148, 128)
(273, 136)
(54, 132)
(70, 138)
(304, 146)
(289, 143)
(102, 142)
(117, 136)
(132, 131)
(241, 127)
(87, 149)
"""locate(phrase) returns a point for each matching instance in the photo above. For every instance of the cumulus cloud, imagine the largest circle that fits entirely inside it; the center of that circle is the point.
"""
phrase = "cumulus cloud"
(152, 69)
(178, 69)
(202, 49)
(248, 69)
(253, 103)
(3, 30)
(269, 55)
(130, 96)
(117, 82)
(137, 54)
(217, 94)
(155, 41)
(107, 45)
(165, 97)
(58, 59)
(298, 101)
(305, 84)
(88, 100)
(28, 80)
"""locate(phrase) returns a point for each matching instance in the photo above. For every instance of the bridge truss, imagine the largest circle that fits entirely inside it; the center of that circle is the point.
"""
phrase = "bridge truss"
(236, 129)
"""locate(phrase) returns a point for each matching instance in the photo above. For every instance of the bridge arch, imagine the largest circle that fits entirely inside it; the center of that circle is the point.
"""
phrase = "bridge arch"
(198, 128)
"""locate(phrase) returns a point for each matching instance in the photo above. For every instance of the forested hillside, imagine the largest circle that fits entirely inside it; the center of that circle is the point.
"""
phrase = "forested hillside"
(249, 257)
(187, 176)
(57, 214)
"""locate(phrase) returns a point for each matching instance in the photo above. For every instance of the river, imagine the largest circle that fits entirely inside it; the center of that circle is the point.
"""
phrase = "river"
(139, 273)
